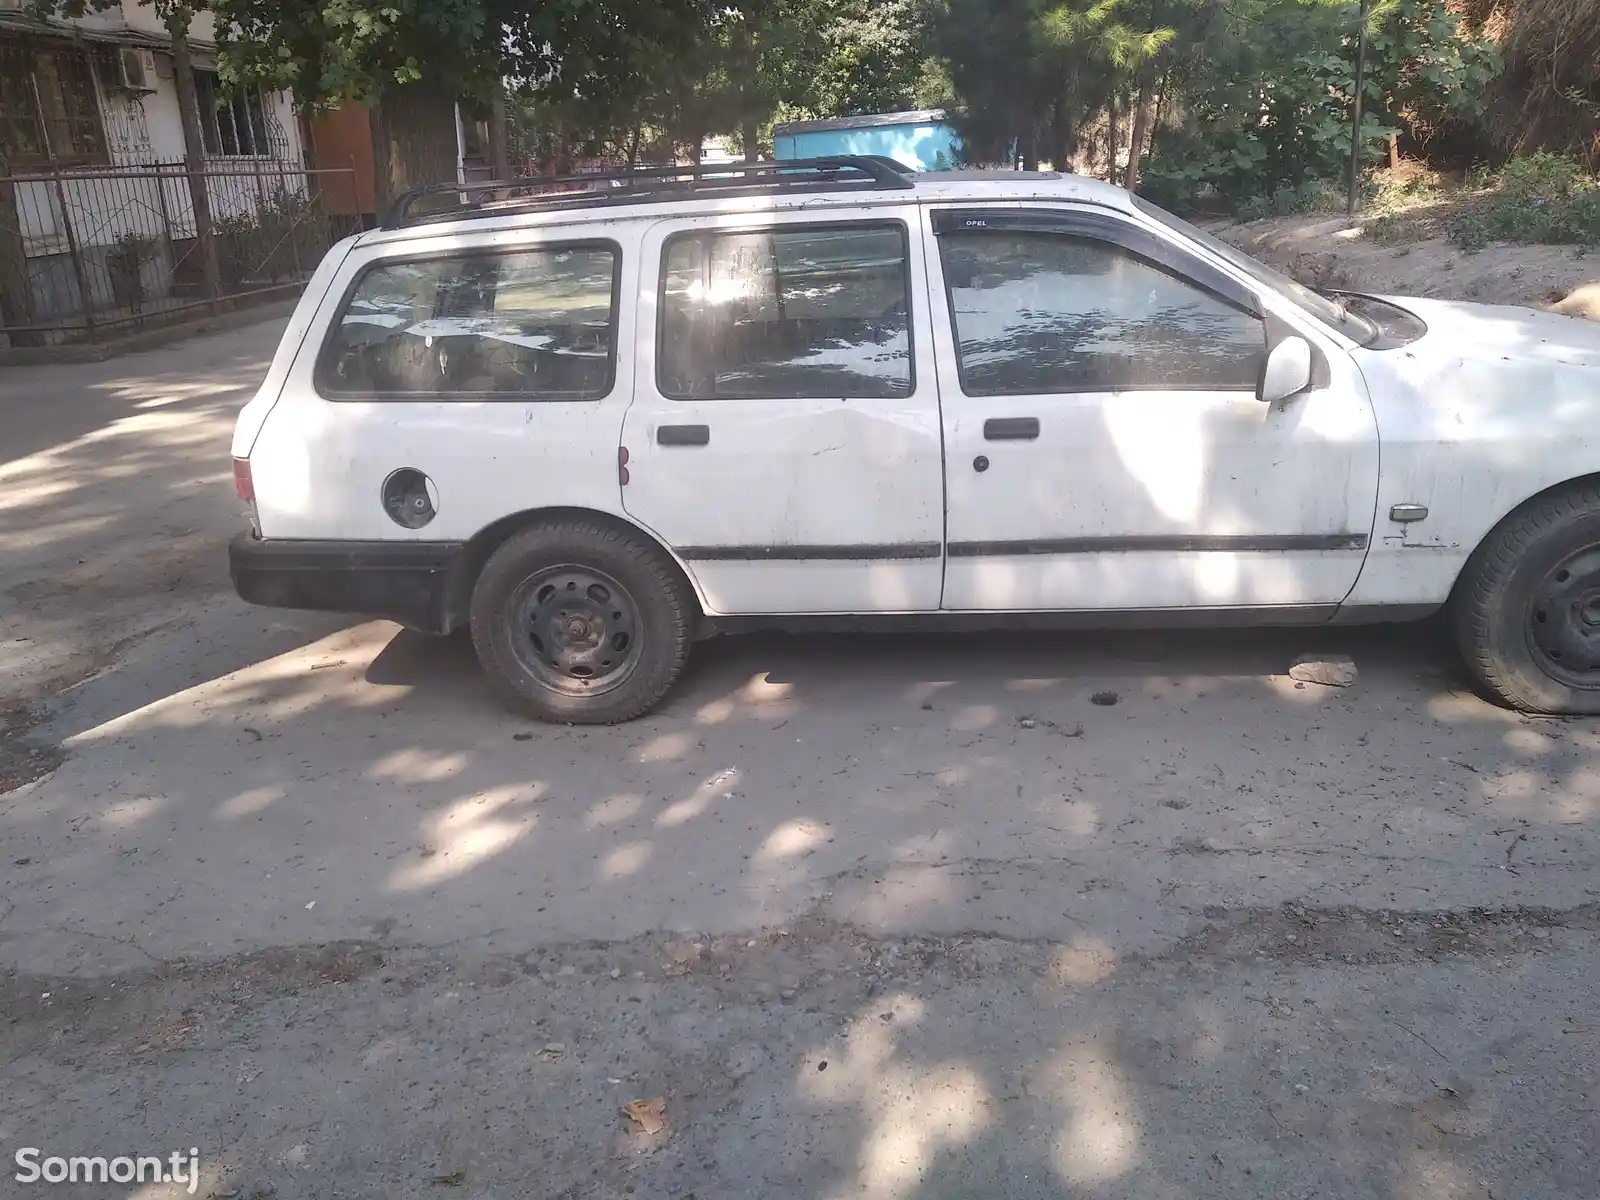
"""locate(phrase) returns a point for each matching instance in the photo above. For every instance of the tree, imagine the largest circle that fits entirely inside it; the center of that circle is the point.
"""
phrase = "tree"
(411, 60)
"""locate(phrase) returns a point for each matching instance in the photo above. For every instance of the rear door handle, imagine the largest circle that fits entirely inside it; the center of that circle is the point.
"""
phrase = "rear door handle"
(683, 435)
(1011, 429)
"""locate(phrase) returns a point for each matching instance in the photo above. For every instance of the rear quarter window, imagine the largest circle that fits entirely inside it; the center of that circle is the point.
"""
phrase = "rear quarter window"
(536, 323)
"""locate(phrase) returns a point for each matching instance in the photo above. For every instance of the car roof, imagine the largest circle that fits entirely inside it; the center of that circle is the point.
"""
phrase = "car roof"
(602, 205)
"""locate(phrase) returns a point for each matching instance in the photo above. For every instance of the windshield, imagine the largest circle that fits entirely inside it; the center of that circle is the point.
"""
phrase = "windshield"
(1330, 312)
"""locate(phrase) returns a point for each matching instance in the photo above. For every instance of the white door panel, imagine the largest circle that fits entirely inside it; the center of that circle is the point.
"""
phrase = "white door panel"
(1196, 496)
(820, 502)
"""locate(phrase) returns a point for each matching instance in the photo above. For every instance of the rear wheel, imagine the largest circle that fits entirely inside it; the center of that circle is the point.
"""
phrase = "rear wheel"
(582, 622)
(1527, 609)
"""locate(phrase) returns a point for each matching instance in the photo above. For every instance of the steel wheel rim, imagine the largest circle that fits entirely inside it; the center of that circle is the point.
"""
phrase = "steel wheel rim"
(1564, 620)
(576, 630)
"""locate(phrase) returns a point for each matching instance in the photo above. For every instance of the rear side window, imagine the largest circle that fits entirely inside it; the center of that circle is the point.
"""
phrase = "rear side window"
(525, 324)
(1049, 312)
(801, 311)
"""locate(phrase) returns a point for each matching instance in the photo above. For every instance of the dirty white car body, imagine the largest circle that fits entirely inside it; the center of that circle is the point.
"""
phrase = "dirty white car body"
(1081, 410)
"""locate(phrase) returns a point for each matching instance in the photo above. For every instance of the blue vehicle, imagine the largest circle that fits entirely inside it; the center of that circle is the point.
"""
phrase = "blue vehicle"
(921, 140)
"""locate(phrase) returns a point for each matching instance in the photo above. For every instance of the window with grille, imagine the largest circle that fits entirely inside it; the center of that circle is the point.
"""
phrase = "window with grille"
(232, 124)
(49, 111)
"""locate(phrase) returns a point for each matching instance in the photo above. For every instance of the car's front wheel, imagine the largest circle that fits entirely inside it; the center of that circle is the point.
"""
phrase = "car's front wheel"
(581, 621)
(1527, 608)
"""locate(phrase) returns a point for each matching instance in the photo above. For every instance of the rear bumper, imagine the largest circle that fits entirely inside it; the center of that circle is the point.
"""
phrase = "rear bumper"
(408, 582)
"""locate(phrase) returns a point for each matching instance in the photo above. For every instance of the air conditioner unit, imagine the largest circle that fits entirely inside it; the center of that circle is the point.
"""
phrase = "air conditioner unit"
(136, 70)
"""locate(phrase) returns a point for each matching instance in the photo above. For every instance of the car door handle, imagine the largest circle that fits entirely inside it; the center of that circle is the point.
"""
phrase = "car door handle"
(683, 435)
(1011, 429)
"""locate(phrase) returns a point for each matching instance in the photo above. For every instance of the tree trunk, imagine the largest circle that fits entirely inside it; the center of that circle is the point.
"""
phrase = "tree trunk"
(1111, 137)
(413, 138)
(1141, 126)
(499, 145)
(1155, 121)
(194, 152)
(633, 144)
(746, 65)
(16, 297)
(1063, 137)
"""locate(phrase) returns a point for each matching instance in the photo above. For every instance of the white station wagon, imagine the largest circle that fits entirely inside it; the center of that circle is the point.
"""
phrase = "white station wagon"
(594, 425)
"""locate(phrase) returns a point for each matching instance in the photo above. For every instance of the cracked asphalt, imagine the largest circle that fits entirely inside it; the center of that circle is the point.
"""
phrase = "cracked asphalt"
(872, 916)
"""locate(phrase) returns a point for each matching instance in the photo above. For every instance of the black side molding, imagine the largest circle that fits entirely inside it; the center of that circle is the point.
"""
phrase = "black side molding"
(1161, 544)
(848, 553)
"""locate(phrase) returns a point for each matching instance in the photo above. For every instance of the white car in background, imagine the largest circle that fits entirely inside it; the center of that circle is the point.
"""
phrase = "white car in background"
(595, 425)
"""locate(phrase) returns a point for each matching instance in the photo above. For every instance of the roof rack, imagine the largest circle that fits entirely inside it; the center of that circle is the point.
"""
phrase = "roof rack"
(535, 193)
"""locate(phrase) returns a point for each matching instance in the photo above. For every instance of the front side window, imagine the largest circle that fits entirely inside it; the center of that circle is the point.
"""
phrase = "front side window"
(1048, 312)
(537, 323)
(806, 311)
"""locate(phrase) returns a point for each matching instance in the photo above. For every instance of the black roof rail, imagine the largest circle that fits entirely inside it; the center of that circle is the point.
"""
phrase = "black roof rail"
(534, 193)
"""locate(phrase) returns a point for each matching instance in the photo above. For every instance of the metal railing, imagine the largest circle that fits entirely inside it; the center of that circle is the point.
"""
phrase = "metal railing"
(86, 254)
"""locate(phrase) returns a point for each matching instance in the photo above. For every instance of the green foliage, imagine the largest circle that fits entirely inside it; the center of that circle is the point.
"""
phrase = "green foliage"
(278, 237)
(1540, 198)
(1272, 108)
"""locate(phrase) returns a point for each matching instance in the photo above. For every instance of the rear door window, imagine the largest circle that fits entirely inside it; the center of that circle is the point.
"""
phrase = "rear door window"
(787, 313)
(536, 323)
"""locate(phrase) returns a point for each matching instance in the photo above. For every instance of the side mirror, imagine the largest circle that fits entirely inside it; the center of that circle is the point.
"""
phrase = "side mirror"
(1287, 371)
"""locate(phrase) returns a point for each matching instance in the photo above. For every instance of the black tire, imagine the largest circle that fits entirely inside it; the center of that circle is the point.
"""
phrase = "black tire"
(1528, 603)
(608, 670)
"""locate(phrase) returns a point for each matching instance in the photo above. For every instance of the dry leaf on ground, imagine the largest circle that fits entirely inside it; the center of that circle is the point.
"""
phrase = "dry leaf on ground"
(649, 1115)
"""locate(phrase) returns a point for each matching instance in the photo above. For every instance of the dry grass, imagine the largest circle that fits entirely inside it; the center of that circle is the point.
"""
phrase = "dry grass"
(1549, 94)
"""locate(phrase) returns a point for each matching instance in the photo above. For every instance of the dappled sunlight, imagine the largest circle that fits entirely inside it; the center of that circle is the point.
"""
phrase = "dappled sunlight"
(664, 747)
(124, 814)
(1167, 460)
(1030, 687)
(1527, 742)
(718, 787)
(793, 838)
(1080, 818)
(417, 766)
(625, 860)
(468, 833)
(1101, 1137)
(1217, 577)
(905, 889)
(909, 1114)
(973, 717)
(1083, 962)
(211, 1180)
(1455, 707)
(1295, 692)
(1430, 1174)
(249, 803)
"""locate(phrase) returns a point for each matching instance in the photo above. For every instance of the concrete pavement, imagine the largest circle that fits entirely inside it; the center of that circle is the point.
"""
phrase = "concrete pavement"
(1227, 936)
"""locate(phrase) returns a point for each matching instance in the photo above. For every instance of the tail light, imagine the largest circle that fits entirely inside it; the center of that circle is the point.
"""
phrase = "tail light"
(244, 486)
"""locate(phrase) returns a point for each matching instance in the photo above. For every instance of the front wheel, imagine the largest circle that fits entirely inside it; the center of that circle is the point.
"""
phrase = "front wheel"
(1527, 608)
(581, 622)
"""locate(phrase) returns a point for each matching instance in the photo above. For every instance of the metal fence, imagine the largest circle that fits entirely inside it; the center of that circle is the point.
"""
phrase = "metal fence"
(86, 254)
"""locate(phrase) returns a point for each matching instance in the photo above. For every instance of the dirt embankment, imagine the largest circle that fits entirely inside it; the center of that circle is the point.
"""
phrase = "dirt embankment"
(1328, 252)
